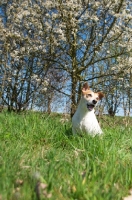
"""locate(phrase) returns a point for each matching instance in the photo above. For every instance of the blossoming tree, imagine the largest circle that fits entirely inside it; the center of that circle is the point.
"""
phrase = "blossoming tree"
(73, 36)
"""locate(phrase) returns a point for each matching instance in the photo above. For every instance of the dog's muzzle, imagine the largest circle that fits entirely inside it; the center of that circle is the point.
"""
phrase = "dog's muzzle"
(90, 106)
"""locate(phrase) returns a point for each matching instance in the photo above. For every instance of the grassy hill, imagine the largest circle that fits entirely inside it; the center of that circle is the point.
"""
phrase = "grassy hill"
(41, 159)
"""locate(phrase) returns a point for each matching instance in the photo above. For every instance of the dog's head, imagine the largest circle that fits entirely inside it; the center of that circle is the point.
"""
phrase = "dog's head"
(90, 98)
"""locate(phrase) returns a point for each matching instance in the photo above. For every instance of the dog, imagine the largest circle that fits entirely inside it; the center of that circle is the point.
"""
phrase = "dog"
(84, 119)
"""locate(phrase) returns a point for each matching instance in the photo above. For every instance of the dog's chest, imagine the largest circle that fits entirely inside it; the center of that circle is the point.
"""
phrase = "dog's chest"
(90, 124)
(88, 121)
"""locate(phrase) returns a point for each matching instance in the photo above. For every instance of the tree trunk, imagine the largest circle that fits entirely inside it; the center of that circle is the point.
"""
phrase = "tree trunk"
(49, 105)
(73, 96)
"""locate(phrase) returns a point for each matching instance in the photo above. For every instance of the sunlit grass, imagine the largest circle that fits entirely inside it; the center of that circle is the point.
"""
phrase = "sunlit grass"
(37, 148)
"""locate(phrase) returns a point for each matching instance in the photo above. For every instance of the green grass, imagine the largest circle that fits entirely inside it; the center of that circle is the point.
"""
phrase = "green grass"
(39, 154)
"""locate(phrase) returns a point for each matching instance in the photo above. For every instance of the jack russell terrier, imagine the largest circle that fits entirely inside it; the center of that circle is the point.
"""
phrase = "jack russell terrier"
(84, 119)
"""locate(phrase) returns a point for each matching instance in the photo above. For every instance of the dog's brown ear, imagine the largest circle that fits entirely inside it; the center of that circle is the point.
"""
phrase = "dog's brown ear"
(101, 95)
(85, 87)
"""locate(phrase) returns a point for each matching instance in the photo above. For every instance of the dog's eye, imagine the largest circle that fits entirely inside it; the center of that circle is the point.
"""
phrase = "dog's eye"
(97, 98)
(88, 95)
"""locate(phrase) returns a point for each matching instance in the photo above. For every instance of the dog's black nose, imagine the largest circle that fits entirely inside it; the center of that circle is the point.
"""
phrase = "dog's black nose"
(94, 101)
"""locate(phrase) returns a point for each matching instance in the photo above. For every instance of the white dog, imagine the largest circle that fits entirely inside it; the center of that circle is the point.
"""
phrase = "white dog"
(84, 119)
